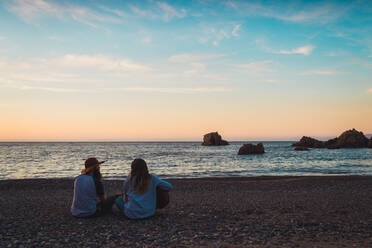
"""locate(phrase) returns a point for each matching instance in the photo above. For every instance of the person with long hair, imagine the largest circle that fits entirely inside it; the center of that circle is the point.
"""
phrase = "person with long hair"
(87, 188)
(143, 192)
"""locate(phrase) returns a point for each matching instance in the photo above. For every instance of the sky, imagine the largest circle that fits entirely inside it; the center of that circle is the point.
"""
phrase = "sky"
(174, 70)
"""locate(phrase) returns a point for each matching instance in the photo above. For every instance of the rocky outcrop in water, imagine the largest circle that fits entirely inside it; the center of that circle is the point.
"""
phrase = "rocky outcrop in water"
(352, 139)
(251, 149)
(348, 139)
(213, 139)
(301, 148)
(332, 143)
(309, 143)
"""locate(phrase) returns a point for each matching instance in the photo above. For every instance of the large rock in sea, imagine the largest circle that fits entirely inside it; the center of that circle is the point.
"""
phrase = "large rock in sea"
(213, 139)
(370, 143)
(309, 143)
(331, 144)
(351, 139)
(348, 139)
(301, 148)
(251, 149)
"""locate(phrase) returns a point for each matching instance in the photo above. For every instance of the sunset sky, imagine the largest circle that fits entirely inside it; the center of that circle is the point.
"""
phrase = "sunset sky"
(175, 70)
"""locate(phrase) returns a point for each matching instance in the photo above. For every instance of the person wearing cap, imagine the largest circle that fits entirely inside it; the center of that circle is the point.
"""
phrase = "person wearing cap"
(87, 188)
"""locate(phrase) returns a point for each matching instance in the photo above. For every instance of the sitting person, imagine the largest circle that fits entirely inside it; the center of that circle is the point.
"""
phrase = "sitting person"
(87, 188)
(143, 192)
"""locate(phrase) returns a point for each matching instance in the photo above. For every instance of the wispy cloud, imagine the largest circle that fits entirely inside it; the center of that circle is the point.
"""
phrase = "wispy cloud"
(2, 38)
(170, 12)
(189, 57)
(236, 30)
(259, 66)
(304, 50)
(173, 90)
(55, 38)
(369, 91)
(216, 34)
(160, 10)
(42, 77)
(129, 89)
(101, 62)
(66, 73)
(215, 76)
(53, 89)
(114, 11)
(320, 72)
(362, 62)
(195, 63)
(319, 13)
(146, 40)
(179, 90)
(139, 11)
(69, 69)
(29, 10)
(337, 53)
(273, 81)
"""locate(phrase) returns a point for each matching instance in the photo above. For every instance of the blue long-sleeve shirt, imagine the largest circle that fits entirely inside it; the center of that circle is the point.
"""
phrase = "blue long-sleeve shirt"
(142, 206)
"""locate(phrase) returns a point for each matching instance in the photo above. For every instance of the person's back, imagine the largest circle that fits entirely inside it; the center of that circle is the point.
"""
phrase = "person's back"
(84, 201)
(142, 205)
(89, 194)
(140, 192)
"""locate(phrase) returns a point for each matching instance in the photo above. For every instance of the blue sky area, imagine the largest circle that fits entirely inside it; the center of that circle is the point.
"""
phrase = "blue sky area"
(257, 69)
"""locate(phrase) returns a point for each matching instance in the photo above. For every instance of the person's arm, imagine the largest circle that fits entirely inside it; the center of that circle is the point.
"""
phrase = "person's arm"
(161, 184)
(126, 189)
(126, 186)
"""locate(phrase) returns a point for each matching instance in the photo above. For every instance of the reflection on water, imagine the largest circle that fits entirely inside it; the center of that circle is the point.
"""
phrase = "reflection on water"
(177, 160)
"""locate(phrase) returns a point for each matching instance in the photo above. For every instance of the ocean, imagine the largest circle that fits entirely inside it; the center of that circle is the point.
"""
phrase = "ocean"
(20, 160)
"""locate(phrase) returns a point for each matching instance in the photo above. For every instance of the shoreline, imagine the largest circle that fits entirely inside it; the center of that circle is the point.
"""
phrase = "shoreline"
(268, 211)
(263, 177)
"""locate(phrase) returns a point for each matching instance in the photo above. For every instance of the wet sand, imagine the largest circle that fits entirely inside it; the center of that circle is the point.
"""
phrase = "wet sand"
(211, 212)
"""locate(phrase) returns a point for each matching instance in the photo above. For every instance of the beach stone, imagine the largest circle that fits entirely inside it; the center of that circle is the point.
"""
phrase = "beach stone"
(301, 148)
(214, 139)
(309, 142)
(251, 149)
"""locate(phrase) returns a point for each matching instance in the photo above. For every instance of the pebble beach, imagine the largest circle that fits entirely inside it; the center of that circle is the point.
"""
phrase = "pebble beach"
(311, 211)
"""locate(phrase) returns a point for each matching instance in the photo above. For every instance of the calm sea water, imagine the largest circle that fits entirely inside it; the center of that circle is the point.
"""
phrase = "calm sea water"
(177, 160)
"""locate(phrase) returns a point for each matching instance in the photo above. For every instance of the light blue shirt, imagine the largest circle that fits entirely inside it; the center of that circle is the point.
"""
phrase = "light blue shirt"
(84, 202)
(141, 206)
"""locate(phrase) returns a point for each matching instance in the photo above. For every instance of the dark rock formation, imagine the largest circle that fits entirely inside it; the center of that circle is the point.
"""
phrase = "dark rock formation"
(352, 139)
(309, 142)
(251, 149)
(348, 139)
(370, 143)
(301, 148)
(213, 139)
(331, 144)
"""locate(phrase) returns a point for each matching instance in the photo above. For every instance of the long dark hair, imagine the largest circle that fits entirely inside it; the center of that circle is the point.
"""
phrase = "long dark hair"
(140, 173)
(97, 174)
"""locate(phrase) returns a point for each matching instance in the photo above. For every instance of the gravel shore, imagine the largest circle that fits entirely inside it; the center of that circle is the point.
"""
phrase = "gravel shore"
(210, 212)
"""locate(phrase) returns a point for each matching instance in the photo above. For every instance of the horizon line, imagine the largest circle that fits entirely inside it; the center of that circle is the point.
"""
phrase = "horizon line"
(131, 141)
(284, 139)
